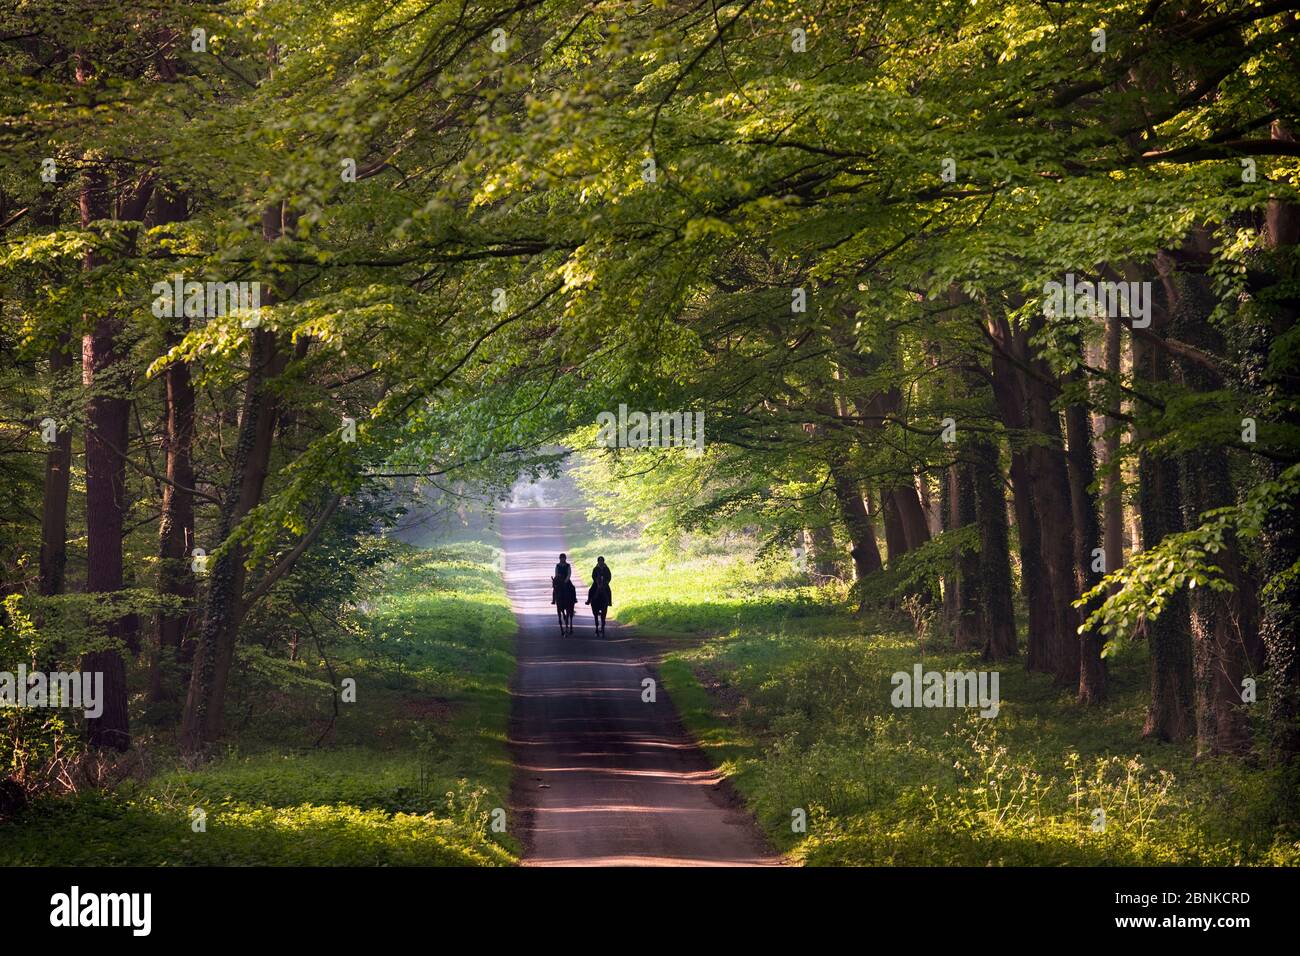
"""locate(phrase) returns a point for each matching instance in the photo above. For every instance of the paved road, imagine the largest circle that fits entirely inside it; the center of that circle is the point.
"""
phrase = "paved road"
(603, 778)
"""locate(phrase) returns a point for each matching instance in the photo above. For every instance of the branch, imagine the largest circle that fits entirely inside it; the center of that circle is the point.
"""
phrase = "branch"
(1232, 147)
(288, 560)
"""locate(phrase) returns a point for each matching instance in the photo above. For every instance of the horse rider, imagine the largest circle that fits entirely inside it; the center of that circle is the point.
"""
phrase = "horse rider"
(600, 574)
(563, 572)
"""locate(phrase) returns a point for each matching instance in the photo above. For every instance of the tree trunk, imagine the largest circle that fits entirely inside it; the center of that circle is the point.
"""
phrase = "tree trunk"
(1223, 625)
(1049, 477)
(901, 511)
(215, 648)
(848, 496)
(968, 624)
(106, 441)
(933, 523)
(1009, 391)
(1280, 606)
(866, 554)
(1170, 711)
(948, 509)
(895, 536)
(1112, 480)
(823, 550)
(1169, 714)
(899, 495)
(176, 522)
(916, 531)
(1087, 540)
(998, 623)
(175, 526)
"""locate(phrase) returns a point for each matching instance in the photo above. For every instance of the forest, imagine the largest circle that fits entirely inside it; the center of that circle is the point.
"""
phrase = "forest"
(865, 338)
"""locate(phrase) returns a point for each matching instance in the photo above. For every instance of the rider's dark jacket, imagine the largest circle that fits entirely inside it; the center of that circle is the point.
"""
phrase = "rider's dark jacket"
(563, 576)
(600, 574)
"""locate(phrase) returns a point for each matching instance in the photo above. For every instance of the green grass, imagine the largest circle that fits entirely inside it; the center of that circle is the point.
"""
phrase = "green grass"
(408, 775)
(713, 588)
(790, 695)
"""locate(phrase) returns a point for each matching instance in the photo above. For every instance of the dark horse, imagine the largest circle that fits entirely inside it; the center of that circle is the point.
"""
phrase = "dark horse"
(599, 598)
(565, 598)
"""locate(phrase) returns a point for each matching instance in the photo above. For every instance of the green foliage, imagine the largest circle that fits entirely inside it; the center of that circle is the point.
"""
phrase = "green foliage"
(406, 776)
(97, 830)
(523, 171)
(919, 571)
(797, 714)
(1140, 590)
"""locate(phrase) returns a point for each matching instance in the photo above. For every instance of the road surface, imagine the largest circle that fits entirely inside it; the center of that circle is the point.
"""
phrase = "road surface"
(603, 778)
